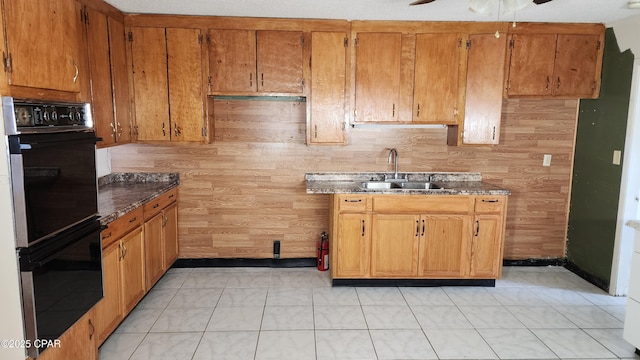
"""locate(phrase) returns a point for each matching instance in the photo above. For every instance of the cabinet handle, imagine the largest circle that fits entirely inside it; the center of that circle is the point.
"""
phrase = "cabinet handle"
(393, 111)
(124, 251)
(315, 131)
(163, 132)
(423, 227)
(490, 200)
(120, 129)
(548, 82)
(170, 196)
(156, 205)
(134, 219)
(262, 79)
(477, 227)
(107, 236)
(417, 228)
(558, 83)
(418, 114)
(177, 130)
(250, 79)
(164, 220)
(362, 227)
(353, 200)
(114, 131)
(92, 330)
(75, 77)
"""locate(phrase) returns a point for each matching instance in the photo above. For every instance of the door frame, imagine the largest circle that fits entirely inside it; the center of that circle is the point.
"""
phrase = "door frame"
(629, 201)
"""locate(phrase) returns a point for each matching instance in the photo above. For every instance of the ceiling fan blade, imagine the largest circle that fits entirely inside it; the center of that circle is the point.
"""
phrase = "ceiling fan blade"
(538, 2)
(420, 2)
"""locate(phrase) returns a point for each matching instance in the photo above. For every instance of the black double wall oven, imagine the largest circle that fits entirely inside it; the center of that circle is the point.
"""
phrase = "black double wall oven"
(57, 229)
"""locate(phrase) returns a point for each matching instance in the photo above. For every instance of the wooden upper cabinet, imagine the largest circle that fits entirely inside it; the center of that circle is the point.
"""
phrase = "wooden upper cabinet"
(56, 27)
(167, 77)
(377, 78)
(232, 60)
(558, 65)
(109, 78)
(576, 67)
(279, 61)
(120, 81)
(483, 99)
(249, 61)
(100, 69)
(328, 85)
(151, 92)
(437, 88)
(531, 67)
(184, 51)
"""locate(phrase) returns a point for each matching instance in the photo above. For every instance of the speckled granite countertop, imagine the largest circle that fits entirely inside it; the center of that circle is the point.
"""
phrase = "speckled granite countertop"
(451, 183)
(119, 193)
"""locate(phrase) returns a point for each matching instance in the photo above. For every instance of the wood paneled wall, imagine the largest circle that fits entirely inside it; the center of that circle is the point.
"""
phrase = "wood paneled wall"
(245, 190)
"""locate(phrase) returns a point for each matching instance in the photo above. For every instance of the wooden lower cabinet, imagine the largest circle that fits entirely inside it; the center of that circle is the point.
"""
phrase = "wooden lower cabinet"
(443, 243)
(78, 342)
(160, 236)
(122, 275)
(353, 251)
(394, 245)
(135, 254)
(449, 237)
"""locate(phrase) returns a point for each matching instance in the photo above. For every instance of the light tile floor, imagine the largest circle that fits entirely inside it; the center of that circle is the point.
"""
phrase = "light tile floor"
(263, 313)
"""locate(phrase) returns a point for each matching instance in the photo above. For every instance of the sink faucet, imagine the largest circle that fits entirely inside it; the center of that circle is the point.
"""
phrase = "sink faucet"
(393, 154)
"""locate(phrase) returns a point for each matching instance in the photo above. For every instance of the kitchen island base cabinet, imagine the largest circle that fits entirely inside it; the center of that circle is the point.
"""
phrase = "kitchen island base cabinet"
(417, 236)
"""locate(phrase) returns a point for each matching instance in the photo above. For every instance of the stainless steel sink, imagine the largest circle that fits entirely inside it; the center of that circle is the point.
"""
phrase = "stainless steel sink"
(399, 185)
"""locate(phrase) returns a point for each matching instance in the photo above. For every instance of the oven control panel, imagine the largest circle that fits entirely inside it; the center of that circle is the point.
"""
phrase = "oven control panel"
(25, 116)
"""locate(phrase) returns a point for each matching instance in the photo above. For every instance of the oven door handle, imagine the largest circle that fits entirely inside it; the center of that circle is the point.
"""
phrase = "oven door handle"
(40, 254)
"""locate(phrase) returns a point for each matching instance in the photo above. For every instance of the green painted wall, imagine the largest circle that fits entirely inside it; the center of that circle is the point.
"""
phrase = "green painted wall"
(595, 189)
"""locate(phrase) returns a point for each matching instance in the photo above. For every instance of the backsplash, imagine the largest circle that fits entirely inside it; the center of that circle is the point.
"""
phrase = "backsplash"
(237, 197)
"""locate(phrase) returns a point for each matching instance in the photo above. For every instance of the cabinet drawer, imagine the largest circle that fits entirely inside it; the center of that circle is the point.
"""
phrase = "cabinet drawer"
(423, 204)
(353, 203)
(156, 205)
(490, 204)
(121, 226)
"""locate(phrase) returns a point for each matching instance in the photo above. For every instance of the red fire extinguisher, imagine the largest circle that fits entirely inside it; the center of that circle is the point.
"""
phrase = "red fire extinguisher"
(323, 252)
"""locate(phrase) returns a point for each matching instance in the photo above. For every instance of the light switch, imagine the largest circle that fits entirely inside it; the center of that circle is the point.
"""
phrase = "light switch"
(617, 154)
(546, 161)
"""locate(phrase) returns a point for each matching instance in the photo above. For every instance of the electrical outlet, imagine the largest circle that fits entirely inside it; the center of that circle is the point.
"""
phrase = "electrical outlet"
(276, 249)
(617, 155)
(546, 161)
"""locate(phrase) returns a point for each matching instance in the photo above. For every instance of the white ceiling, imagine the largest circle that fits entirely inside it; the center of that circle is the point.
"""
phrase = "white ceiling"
(602, 11)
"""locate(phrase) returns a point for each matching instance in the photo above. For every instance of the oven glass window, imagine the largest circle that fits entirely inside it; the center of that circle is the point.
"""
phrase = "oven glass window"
(59, 182)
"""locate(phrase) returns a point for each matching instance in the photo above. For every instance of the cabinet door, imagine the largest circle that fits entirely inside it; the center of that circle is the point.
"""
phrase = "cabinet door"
(353, 247)
(170, 235)
(232, 60)
(279, 55)
(184, 50)
(78, 342)
(149, 56)
(486, 249)
(531, 66)
(328, 84)
(109, 310)
(378, 76)
(394, 245)
(132, 268)
(485, 78)
(120, 81)
(575, 66)
(153, 249)
(436, 86)
(100, 68)
(443, 245)
(55, 27)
